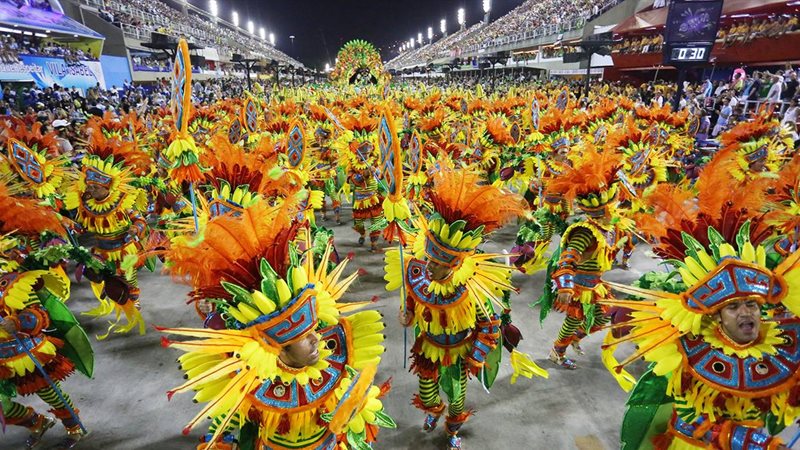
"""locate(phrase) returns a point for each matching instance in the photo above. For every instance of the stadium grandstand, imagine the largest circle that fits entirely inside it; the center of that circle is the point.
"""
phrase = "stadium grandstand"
(542, 39)
(97, 43)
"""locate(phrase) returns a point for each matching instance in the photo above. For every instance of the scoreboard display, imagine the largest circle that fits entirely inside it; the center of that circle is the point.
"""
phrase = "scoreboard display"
(690, 30)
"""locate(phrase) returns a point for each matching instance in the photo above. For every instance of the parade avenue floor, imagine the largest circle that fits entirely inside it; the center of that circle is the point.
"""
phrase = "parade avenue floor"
(125, 407)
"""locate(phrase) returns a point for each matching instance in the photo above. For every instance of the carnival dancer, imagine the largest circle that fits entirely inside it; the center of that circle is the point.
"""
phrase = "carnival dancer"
(327, 165)
(452, 296)
(720, 372)
(551, 137)
(291, 370)
(357, 148)
(35, 325)
(109, 206)
(588, 248)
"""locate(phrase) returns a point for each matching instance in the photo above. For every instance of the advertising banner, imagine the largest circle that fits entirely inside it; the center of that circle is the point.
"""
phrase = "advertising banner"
(46, 71)
(116, 70)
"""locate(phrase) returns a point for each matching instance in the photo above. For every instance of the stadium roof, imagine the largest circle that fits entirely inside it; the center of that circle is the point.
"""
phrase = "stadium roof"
(41, 20)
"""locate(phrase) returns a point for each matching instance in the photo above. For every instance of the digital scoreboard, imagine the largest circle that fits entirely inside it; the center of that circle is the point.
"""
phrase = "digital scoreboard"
(687, 53)
(690, 31)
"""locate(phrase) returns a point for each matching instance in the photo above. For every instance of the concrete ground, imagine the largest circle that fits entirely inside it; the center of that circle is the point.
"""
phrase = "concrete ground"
(125, 406)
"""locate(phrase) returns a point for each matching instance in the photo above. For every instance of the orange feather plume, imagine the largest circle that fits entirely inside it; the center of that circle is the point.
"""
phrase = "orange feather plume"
(498, 131)
(361, 122)
(233, 247)
(32, 137)
(594, 172)
(231, 163)
(722, 203)
(122, 152)
(431, 122)
(672, 206)
(461, 195)
(26, 216)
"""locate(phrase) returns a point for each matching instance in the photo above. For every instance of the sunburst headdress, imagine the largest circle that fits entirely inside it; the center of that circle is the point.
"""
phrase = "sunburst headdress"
(270, 297)
(761, 141)
(358, 143)
(32, 157)
(464, 212)
(785, 207)
(713, 236)
(108, 163)
(643, 164)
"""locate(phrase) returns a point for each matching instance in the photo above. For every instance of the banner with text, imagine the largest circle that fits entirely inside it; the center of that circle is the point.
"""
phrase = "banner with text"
(46, 71)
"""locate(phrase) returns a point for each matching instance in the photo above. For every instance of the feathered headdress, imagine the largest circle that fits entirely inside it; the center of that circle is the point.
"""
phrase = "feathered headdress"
(592, 181)
(32, 158)
(784, 198)
(714, 244)
(235, 178)
(643, 164)
(464, 212)
(108, 163)
(760, 142)
(271, 299)
(679, 210)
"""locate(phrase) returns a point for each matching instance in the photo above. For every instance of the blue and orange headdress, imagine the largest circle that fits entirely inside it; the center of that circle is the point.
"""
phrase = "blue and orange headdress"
(32, 158)
(713, 234)
(270, 296)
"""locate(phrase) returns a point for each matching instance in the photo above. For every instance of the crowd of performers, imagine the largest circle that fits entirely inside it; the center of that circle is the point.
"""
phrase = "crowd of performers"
(229, 198)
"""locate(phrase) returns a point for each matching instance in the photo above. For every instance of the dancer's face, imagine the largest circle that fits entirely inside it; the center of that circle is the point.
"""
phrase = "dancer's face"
(438, 272)
(741, 320)
(302, 353)
(98, 193)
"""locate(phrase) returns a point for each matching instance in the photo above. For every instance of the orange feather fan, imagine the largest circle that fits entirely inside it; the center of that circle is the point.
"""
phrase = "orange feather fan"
(622, 136)
(745, 132)
(431, 122)
(362, 122)
(232, 248)
(594, 172)
(673, 205)
(722, 203)
(462, 195)
(231, 163)
(26, 216)
(603, 110)
(32, 137)
(498, 131)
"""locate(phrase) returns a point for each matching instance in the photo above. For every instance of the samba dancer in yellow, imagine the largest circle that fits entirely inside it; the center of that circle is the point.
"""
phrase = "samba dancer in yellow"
(451, 294)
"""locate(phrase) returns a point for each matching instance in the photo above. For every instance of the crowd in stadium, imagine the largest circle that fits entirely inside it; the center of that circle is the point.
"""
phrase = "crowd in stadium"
(13, 45)
(157, 16)
(738, 32)
(532, 16)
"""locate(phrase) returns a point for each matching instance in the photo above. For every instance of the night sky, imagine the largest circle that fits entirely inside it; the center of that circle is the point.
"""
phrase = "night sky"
(321, 27)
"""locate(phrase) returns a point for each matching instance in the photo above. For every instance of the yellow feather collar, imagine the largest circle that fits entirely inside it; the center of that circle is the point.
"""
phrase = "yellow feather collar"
(769, 336)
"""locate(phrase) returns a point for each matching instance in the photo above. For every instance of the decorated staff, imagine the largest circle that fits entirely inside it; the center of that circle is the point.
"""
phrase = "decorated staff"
(395, 206)
(183, 152)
